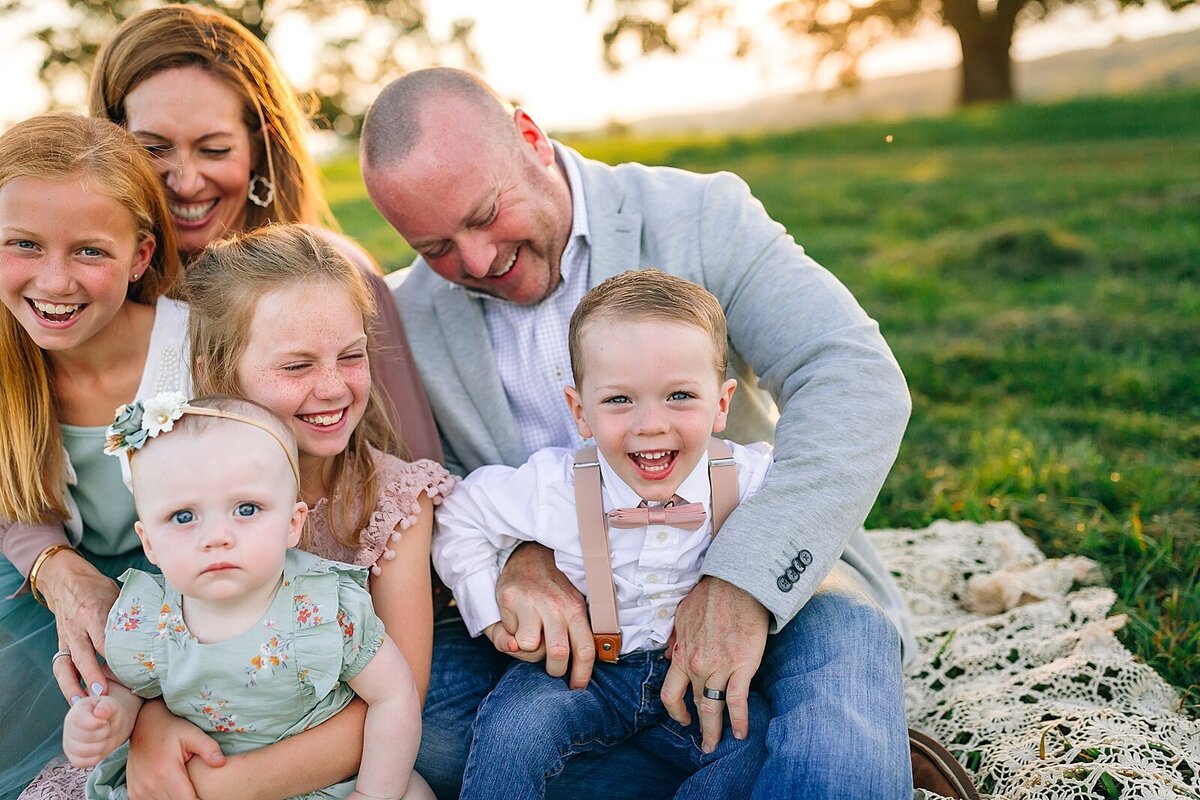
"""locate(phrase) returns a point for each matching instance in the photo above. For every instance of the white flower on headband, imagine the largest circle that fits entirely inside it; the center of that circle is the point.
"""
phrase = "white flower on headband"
(142, 420)
(161, 411)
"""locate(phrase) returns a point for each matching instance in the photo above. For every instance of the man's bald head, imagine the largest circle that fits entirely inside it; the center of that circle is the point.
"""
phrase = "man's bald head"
(393, 127)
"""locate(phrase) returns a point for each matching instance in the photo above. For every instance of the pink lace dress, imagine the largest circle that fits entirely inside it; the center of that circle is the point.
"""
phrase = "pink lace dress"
(401, 484)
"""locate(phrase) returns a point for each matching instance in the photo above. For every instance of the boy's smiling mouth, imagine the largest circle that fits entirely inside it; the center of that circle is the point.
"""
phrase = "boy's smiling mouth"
(654, 463)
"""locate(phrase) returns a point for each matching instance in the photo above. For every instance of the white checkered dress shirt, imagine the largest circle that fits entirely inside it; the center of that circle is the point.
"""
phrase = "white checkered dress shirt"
(530, 342)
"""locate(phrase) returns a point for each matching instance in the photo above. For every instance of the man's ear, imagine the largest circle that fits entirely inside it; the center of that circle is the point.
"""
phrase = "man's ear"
(296, 523)
(723, 400)
(575, 403)
(148, 548)
(533, 136)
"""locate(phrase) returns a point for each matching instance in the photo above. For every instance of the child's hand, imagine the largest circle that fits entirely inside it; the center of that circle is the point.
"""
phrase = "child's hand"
(93, 728)
(506, 643)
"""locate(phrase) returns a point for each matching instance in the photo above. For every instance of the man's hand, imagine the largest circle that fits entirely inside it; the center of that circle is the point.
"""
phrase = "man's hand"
(159, 751)
(543, 615)
(80, 597)
(720, 635)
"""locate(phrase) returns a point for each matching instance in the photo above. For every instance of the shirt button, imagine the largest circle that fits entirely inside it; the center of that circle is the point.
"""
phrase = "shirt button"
(652, 578)
(662, 613)
(662, 536)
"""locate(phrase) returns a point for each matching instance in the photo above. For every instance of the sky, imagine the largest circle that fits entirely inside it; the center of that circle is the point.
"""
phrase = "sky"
(547, 55)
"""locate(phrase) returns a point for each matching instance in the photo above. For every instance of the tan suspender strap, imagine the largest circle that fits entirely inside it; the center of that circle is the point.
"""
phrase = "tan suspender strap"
(597, 562)
(722, 478)
(593, 536)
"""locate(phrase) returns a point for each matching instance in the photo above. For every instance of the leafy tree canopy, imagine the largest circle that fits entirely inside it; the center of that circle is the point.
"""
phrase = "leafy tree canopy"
(842, 31)
(359, 44)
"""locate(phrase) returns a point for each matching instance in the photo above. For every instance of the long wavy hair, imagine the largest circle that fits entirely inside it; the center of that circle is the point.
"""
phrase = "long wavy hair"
(174, 36)
(106, 160)
(224, 284)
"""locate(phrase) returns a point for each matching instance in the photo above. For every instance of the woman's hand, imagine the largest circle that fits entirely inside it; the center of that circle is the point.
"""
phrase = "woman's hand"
(80, 597)
(160, 749)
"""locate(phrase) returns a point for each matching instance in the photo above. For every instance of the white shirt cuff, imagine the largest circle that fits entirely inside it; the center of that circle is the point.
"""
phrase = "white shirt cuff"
(475, 596)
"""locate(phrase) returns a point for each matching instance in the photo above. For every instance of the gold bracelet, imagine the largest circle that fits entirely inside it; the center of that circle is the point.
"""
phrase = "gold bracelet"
(38, 562)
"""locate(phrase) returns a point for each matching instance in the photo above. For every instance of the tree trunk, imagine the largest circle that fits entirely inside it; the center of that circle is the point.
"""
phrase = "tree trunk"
(986, 71)
(986, 38)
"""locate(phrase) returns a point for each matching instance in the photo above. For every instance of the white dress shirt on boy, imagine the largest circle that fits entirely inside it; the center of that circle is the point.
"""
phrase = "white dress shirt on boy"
(654, 567)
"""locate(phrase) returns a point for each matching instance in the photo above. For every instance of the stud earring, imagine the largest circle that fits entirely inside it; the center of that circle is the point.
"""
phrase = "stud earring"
(261, 191)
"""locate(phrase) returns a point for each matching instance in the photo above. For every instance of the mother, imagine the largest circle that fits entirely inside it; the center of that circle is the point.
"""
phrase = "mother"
(205, 97)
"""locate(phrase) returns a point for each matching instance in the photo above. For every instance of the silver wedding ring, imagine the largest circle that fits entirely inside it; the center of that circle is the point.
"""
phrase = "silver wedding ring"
(714, 694)
(59, 654)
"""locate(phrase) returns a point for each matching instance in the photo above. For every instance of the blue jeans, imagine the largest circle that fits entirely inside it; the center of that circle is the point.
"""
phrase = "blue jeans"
(532, 724)
(831, 677)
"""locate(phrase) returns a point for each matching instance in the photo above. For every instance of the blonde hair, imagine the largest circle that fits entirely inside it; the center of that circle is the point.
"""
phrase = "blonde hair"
(107, 161)
(174, 36)
(651, 294)
(230, 410)
(224, 284)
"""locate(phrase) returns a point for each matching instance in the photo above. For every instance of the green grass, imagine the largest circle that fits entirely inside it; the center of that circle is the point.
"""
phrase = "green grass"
(1036, 270)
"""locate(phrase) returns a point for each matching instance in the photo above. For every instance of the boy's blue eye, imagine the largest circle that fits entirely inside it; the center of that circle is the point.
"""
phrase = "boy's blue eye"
(246, 510)
(184, 517)
(618, 399)
(679, 396)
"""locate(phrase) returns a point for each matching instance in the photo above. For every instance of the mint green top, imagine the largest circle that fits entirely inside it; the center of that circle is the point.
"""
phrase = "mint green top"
(105, 504)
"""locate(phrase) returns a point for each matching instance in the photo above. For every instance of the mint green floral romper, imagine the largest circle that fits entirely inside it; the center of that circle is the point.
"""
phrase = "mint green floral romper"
(286, 674)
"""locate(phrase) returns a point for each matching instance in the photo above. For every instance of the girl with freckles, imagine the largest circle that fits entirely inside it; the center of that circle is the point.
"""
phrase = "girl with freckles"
(88, 265)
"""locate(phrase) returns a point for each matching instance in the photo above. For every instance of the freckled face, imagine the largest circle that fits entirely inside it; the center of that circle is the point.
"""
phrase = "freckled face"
(306, 360)
(67, 257)
(651, 397)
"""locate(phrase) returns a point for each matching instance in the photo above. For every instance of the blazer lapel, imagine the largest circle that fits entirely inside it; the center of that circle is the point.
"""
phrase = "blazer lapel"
(483, 407)
(616, 231)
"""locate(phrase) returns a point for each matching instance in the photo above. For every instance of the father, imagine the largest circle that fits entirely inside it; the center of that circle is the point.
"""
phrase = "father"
(511, 229)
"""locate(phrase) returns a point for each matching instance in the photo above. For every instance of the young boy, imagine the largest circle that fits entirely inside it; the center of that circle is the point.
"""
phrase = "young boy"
(648, 355)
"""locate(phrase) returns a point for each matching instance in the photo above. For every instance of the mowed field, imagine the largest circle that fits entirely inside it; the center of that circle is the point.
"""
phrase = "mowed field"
(1036, 269)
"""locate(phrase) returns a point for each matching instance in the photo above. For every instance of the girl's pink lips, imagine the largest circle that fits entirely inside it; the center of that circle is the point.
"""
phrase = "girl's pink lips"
(333, 427)
(55, 324)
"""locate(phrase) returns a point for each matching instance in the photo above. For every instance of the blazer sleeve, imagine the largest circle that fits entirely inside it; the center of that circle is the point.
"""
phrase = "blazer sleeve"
(844, 402)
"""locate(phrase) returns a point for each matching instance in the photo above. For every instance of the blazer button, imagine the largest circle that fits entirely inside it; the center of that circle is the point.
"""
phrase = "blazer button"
(804, 557)
(784, 584)
(792, 574)
(798, 564)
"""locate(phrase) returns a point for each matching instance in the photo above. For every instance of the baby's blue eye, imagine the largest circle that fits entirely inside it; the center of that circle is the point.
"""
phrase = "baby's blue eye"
(184, 517)
(246, 510)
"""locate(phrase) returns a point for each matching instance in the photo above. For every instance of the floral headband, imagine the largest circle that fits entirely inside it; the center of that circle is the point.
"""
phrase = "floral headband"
(142, 420)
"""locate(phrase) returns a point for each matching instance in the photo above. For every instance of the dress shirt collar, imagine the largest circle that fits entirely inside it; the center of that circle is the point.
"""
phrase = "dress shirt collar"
(694, 489)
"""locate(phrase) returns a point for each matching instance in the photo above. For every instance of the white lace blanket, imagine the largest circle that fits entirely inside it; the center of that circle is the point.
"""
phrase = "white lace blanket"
(1023, 679)
(1018, 675)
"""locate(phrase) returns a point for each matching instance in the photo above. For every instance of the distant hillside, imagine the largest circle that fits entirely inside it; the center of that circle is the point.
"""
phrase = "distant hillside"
(1163, 62)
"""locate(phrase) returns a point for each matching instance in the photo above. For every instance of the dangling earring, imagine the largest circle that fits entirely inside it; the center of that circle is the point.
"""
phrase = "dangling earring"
(261, 191)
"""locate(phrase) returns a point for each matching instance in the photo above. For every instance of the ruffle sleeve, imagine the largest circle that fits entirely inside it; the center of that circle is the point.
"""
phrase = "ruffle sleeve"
(331, 604)
(132, 643)
(401, 485)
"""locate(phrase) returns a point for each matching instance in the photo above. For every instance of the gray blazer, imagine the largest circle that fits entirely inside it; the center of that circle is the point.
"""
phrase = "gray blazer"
(797, 335)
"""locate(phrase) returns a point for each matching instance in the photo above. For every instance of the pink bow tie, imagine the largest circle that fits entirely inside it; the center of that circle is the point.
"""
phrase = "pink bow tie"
(685, 515)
